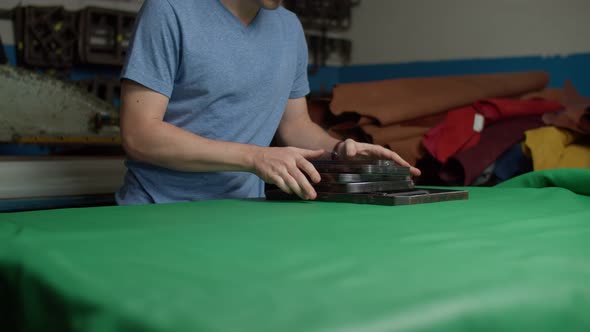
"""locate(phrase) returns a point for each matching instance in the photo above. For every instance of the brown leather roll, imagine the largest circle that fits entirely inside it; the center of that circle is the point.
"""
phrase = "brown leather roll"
(397, 100)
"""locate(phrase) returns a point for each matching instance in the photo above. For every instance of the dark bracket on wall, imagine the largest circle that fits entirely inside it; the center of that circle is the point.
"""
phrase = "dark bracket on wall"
(3, 59)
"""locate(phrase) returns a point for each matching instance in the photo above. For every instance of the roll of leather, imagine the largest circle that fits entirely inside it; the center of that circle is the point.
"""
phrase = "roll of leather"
(397, 100)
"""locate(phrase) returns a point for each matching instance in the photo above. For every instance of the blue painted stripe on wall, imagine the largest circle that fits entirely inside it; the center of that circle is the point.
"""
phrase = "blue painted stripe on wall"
(324, 79)
(575, 68)
(10, 51)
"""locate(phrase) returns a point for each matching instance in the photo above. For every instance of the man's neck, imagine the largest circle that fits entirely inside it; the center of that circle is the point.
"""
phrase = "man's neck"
(244, 10)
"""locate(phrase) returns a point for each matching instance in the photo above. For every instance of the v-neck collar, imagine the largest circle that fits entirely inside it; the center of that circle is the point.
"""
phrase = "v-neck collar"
(234, 20)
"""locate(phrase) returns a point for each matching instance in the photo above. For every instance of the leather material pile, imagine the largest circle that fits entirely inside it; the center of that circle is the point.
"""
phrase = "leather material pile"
(460, 124)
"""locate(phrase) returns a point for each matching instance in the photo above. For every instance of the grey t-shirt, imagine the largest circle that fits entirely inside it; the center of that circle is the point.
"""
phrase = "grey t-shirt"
(225, 81)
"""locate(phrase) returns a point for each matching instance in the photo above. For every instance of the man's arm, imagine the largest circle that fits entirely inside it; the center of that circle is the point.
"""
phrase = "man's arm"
(146, 137)
(297, 129)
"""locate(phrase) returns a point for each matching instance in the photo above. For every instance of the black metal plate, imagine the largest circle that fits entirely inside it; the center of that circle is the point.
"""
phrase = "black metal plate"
(387, 167)
(355, 177)
(363, 187)
(418, 196)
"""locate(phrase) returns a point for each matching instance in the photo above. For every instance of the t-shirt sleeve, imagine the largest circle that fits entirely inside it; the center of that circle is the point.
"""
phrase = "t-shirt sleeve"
(154, 52)
(300, 84)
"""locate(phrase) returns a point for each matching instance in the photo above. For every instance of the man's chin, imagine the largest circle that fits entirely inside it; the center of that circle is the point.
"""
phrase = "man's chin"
(270, 4)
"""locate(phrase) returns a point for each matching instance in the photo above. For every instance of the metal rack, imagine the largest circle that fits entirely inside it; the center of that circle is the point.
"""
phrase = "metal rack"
(325, 16)
(45, 36)
(105, 36)
(52, 37)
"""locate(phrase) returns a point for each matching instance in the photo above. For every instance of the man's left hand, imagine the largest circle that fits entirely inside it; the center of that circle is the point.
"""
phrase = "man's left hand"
(351, 149)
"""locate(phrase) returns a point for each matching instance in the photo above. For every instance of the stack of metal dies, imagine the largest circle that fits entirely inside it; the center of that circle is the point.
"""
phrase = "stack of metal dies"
(380, 182)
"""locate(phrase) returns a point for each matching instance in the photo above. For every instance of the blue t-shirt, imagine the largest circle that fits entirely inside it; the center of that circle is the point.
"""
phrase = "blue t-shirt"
(225, 81)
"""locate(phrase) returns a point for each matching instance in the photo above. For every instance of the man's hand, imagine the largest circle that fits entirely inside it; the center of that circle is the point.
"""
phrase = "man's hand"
(351, 149)
(284, 168)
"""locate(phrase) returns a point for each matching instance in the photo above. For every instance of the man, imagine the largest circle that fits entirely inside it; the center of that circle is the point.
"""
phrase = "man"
(206, 85)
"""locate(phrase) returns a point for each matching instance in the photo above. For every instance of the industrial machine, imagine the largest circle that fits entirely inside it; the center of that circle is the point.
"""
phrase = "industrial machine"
(38, 110)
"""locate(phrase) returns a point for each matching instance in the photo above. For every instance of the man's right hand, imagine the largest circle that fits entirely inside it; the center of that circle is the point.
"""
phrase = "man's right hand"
(284, 168)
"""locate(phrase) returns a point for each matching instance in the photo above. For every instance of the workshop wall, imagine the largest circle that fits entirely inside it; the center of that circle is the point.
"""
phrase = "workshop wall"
(400, 38)
(394, 31)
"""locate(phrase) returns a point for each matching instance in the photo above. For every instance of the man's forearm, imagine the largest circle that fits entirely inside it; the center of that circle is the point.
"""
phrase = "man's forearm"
(165, 145)
(304, 133)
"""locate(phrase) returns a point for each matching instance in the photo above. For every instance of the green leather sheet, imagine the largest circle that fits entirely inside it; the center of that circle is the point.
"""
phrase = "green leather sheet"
(511, 258)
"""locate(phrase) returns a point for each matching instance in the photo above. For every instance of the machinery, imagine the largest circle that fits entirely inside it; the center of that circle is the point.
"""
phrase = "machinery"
(60, 140)
(42, 110)
(38, 110)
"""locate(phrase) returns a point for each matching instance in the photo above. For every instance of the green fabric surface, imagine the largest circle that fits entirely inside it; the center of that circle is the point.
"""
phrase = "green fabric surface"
(574, 179)
(507, 259)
